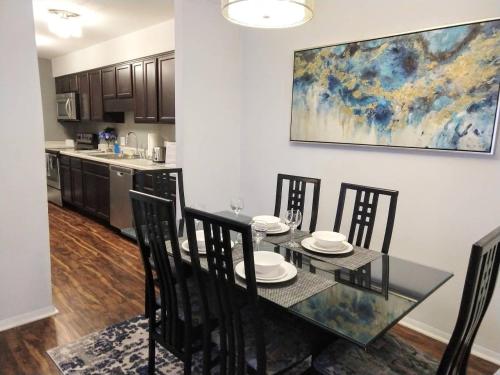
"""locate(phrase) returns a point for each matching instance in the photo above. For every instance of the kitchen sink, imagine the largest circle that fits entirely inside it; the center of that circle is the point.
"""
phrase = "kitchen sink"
(117, 156)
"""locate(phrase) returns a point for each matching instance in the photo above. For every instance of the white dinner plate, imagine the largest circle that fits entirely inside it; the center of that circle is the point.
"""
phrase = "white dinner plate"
(291, 272)
(283, 229)
(185, 247)
(308, 243)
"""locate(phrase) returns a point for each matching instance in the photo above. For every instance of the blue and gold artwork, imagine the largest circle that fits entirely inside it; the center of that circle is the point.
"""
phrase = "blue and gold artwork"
(436, 89)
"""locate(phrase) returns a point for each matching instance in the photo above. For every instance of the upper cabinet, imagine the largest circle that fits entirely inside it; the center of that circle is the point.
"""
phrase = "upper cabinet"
(67, 84)
(166, 88)
(96, 105)
(108, 83)
(147, 86)
(73, 83)
(84, 96)
(145, 91)
(124, 81)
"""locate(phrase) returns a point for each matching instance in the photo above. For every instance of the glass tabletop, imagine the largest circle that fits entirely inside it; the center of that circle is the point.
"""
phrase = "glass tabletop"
(362, 303)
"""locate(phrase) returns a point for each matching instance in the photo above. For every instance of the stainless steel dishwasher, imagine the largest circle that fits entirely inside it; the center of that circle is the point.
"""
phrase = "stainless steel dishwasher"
(121, 180)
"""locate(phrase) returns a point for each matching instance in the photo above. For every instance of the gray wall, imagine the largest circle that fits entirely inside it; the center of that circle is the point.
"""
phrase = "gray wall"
(53, 130)
(25, 288)
(447, 200)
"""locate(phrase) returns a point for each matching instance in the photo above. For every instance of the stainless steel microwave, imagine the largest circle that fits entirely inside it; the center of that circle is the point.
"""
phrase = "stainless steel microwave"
(67, 106)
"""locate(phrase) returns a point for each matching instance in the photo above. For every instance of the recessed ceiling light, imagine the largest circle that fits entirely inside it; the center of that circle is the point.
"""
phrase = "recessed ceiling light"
(268, 14)
(64, 24)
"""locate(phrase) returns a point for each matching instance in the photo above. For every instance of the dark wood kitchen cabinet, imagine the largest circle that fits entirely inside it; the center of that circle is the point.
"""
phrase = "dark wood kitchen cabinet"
(96, 188)
(85, 185)
(67, 83)
(166, 88)
(145, 91)
(65, 173)
(124, 81)
(73, 83)
(84, 96)
(109, 82)
(96, 101)
(138, 79)
(76, 182)
(60, 85)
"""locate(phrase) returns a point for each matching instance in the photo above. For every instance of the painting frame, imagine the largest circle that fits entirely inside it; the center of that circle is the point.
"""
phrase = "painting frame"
(494, 136)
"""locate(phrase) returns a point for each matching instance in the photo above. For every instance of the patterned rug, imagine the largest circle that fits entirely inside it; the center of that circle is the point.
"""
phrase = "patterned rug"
(118, 349)
(122, 349)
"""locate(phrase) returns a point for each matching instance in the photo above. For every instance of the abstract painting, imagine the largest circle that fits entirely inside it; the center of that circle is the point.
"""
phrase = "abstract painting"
(435, 89)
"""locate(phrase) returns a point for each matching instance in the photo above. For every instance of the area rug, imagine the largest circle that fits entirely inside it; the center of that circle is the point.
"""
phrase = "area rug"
(118, 349)
(122, 349)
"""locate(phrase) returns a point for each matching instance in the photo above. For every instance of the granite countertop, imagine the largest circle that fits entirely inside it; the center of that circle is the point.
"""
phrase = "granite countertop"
(138, 164)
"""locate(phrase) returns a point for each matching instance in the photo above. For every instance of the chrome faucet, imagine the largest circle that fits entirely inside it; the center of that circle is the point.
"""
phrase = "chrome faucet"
(136, 142)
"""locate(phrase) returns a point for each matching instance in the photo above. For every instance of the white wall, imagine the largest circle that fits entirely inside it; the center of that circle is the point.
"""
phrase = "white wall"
(447, 201)
(53, 130)
(208, 105)
(25, 289)
(149, 41)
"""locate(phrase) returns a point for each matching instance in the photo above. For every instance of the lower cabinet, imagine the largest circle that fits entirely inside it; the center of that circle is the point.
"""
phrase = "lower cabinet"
(65, 173)
(96, 189)
(85, 185)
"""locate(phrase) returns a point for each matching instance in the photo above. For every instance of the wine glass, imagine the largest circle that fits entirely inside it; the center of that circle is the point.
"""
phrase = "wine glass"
(237, 205)
(293, 218)
(259, 231)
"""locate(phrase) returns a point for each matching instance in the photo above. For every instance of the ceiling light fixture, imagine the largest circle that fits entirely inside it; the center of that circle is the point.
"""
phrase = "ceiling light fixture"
(268, 14)
(64, 24)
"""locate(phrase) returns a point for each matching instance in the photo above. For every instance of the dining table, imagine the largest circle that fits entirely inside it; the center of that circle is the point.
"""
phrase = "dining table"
(357, 296)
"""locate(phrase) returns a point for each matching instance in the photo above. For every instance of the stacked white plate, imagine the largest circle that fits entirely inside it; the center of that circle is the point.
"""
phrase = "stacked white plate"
(269, 268)
(200, 239)
(273, 224)
(327, 242)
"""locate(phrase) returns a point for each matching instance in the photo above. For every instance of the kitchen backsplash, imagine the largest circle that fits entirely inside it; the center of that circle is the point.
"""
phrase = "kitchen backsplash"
(167, 132)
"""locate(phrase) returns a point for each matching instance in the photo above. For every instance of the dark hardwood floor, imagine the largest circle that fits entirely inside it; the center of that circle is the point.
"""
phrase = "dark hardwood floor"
(97, 281)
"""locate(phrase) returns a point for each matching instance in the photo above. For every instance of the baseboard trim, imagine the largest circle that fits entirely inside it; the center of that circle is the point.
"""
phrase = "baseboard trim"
(26, 318)
(437, 334)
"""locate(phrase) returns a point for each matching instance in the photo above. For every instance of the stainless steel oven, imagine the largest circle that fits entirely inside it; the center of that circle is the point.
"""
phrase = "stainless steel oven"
(53, 178)
(67, 106)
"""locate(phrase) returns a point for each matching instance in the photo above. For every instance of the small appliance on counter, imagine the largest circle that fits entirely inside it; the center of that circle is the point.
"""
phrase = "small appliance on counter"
(159, 154)
(86, 141)
(154, 140)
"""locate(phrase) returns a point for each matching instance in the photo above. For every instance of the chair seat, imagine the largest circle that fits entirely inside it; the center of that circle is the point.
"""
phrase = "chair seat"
(286, 343)
(388, 355)
(196, 303)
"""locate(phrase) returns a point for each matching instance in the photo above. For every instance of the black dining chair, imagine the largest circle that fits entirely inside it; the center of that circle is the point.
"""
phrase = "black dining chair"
(249, 341)
(390, 355)
(364, 214)
(177, 320)
(164, 183)
(297, 195)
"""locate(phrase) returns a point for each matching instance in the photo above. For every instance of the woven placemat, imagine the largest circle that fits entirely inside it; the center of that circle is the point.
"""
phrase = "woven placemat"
(286, 294)
(352, 261)
(289, 293)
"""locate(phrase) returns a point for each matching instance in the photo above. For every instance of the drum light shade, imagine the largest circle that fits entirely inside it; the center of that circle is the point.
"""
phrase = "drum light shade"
(268, 14)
